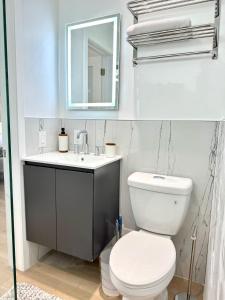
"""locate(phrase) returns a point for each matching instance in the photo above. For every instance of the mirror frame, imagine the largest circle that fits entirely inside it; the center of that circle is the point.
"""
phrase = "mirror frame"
(114, 105)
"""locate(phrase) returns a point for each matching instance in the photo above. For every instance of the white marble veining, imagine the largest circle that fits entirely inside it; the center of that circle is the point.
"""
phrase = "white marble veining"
(178, 148)
(70, 159)
(215, 278)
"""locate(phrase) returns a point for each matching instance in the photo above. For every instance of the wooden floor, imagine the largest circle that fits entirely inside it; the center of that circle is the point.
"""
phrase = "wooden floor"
(71, 278)
(64, 276)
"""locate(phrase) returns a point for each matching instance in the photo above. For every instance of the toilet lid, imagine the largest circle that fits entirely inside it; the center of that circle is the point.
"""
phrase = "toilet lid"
(141, 259)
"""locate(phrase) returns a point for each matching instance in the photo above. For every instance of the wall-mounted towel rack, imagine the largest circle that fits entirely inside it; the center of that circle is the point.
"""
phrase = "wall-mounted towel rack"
(172, 35)
(141, 7)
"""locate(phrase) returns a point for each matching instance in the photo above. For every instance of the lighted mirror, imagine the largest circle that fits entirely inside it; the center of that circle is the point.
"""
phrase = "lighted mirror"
(93, 64)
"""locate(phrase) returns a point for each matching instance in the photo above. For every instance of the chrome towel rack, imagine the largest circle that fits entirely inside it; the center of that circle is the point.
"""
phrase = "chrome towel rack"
(141, 7)
(172, 35)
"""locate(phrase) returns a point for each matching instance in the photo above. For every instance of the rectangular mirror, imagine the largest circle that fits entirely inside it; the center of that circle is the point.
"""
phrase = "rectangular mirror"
(93, 64)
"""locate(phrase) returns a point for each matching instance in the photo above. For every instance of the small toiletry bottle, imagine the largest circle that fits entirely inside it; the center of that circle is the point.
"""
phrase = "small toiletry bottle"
(63, 141)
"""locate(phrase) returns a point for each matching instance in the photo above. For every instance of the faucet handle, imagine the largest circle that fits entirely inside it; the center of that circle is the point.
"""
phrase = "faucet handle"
(97, 150)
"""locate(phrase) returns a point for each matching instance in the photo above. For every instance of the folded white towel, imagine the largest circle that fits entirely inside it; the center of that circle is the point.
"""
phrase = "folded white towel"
(158, 25)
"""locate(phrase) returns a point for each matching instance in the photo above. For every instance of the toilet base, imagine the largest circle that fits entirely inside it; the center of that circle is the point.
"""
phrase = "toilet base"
(163, 296)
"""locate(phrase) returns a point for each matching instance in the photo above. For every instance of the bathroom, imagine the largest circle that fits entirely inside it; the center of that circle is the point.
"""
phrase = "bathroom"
(161, 112)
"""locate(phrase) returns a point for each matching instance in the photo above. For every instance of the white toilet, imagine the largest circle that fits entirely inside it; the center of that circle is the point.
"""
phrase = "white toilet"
(142, 263)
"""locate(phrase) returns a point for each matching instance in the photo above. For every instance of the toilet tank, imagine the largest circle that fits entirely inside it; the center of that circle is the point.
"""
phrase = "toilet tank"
(160, 203)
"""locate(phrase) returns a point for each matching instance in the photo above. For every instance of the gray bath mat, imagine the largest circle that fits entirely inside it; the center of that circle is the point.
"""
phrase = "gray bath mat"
(26, 291)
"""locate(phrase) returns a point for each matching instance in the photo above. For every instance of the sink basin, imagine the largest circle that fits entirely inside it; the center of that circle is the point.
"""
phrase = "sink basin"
(70, 159)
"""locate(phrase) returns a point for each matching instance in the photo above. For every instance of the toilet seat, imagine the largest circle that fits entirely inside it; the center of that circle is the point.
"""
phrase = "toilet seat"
(142, 263)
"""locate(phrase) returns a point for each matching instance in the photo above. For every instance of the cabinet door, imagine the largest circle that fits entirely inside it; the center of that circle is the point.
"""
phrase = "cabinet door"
(40, 205)
(106, 204)
(74, 201)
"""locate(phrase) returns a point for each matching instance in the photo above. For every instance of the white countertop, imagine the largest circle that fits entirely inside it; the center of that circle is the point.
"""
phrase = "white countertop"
(71, 159)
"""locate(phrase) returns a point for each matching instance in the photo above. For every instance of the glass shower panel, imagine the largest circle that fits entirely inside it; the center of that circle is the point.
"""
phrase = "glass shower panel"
(7, 251)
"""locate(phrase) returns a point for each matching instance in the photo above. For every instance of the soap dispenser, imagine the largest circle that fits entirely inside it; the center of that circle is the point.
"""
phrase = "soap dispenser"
(63, 141)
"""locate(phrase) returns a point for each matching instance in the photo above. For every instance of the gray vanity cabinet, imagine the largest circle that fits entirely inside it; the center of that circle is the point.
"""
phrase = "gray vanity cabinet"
(40, 205)
(74, 203)
(71, 210)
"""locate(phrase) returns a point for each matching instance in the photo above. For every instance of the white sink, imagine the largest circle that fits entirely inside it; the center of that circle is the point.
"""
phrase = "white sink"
(70, 159)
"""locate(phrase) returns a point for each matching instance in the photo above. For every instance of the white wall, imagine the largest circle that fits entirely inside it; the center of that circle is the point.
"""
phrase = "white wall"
(181, 89)
(35, 95)
(78, 63)
(40, 56)
(102, 35)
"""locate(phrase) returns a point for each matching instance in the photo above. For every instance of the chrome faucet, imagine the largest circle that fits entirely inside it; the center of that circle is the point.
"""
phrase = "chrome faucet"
(85, 145)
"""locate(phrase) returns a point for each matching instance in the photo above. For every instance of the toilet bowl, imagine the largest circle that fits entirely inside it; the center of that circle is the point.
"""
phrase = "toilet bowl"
(142, 265)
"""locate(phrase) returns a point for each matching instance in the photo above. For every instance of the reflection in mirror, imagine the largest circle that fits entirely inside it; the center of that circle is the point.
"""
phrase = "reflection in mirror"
(93, 64)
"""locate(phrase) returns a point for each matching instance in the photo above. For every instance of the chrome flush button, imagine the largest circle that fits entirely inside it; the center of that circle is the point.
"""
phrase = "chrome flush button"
(159, 177)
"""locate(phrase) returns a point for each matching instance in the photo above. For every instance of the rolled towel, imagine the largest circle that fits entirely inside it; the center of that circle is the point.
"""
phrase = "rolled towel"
(158, 25)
